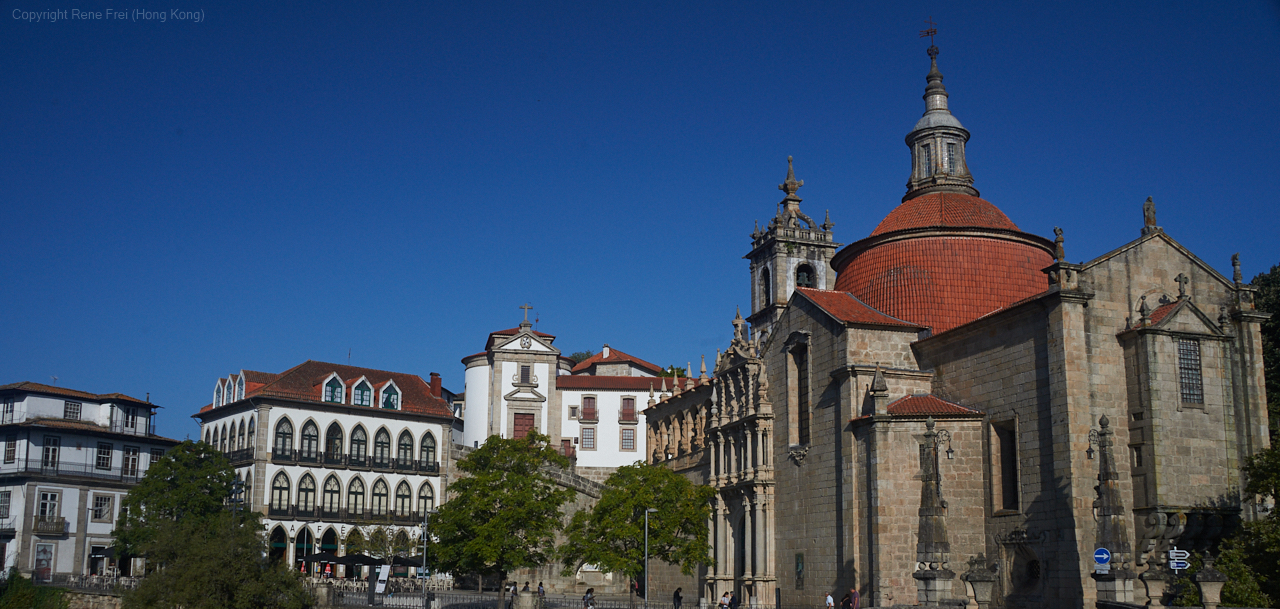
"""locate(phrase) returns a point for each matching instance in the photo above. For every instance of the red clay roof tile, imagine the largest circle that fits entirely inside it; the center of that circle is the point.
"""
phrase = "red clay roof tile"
(944, 209)
(847, 308)
(923, 404)
(299, 383)
(615, 357)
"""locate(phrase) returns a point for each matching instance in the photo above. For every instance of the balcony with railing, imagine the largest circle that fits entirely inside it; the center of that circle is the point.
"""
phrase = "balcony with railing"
(50, 467)
(49, 525)
(240, 457)
(362, 517)
(589, 414)
(334, 460)
(284, 456)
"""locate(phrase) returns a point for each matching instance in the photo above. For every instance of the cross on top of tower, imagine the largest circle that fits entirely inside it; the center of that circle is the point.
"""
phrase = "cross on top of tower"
(526, 308)
(930, 33)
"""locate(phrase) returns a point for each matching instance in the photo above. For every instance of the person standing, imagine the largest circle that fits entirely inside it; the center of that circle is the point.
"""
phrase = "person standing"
(724, 601)
(542, 592)
(857, 600)
(733, 600)
(676, 599)
(831, 603)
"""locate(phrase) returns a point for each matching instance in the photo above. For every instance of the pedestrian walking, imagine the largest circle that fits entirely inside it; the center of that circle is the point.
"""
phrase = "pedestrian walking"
(857, 600)
(542, 592)
(724, 601)
(846, 602)
(733, 600)
(589, 599)
(676, 599)
(831, 604)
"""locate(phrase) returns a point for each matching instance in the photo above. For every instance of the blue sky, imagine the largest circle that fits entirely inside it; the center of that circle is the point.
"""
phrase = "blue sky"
(181, 200)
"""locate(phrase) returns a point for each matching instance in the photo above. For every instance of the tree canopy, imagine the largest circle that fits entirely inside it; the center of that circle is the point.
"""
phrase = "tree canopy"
(504, 513)
(381, 543)
(199, 553)
(1268, 301)
(611, 535)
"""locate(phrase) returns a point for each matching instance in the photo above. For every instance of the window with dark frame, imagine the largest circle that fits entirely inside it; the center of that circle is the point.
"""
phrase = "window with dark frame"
(156, 455)
(8, 410)
(1189, 378)
(5, 497)
(104, 455)
(355, 497)
(334, 391)
(71, 411)
(927, 159)
(951, 157)
(129, 463)
(332, 495)
(589, 408)
(49, 501)
(526, 374)
(102, 507)
(10, 448)
(573, 412)
(380, 493)
(49, 456)
(588, 438)
(628, 409)
(280, 492)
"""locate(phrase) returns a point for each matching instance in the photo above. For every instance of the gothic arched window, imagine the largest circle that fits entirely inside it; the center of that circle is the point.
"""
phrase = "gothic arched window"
(280, 492)
(426, 498)
(307, 494)
(379, 505)
(359, 443)
(428, 455)
(333, 442)
(355, 497)
(382, 447)
(284, 437)
(310, 440)
(240, 439)
(249, 434)
(404, 448)
(404, 499)
(332, 495)
(804, 276)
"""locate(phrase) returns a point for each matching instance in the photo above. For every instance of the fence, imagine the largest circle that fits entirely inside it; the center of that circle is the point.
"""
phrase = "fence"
(91, 583)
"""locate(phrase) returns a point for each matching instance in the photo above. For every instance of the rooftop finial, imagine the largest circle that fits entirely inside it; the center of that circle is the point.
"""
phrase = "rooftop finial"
(1236, 276)
(827, 225)
(1058, 252)
(791, 185)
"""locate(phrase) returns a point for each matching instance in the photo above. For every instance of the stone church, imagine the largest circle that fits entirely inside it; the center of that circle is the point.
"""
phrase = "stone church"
(948, 407)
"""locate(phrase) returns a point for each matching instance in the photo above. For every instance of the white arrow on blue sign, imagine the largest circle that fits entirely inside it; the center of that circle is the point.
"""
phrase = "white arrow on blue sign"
(1177, 565)
(1101, 556)
(1176, 554)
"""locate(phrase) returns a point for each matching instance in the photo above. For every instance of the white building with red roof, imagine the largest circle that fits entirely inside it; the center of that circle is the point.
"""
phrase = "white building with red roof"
(69, 459)
(325, 450)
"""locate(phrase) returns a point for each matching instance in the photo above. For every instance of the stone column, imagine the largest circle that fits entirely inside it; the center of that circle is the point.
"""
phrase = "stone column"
(748, 538)
(1117, 584)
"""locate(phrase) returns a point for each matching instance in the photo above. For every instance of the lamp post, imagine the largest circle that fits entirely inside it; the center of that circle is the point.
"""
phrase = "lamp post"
(646, 555)
(425, 515)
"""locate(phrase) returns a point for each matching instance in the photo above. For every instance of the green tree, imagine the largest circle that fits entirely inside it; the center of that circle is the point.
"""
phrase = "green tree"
(580, 356)
(674, 371)
(504, 513)
(199, 553)
(381, 543)
(19, 593)
(1268, 301)
(611, 535)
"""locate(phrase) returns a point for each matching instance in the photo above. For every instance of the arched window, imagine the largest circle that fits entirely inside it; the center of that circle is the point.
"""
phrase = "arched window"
(240, 388)
(766, 292)
(362, 395)
(359, 444)
(404, 448)
(805, 277)
(217, 395)
(355, 539)
(426, 498)
(334, 391)
(401, 539)
(333, 442)
(355, 497)
(280, 492)
(214, 444)
(240, 439)
(310, 440)
(284, 437)
(382, 447)
(332, 495)
(279, 544)
(390, 397)
(249, 435)
(379, 505)
(404, 499)
(428, 455)
(248, 489)
(222, 439)
(307, 494)
(206, 435)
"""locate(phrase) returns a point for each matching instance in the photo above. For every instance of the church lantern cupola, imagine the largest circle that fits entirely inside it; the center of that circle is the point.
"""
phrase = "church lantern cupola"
(937, 144)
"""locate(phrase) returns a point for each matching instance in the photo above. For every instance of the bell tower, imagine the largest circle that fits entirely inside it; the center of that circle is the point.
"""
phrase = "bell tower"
(937, 143)
(792, 251)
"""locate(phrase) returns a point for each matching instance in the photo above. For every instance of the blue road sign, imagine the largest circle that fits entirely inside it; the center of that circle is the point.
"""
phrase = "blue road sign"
(1101, 556)
(1177, 565)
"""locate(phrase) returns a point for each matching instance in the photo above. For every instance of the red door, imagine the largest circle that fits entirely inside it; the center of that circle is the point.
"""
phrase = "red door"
(524, 422)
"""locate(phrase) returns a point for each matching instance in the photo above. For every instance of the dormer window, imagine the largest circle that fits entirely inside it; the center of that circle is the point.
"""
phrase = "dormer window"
(240, 388)
(217, 394)
(362, 395)
(390, 397)
(334, 390)
(804, 276)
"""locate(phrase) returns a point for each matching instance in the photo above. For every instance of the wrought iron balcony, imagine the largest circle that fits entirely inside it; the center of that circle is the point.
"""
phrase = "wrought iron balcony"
(50, 525)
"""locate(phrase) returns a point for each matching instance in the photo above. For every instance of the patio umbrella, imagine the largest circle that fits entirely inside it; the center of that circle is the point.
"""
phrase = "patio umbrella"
(320, 557)
(357, 560)
(407, 561)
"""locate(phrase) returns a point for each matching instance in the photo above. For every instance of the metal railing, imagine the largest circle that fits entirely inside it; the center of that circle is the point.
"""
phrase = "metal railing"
(368, 463)
(363, 517)
(49, 525)
(128, 475)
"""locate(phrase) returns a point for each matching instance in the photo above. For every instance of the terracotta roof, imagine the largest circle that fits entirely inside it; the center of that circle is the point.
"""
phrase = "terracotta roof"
(621, 383)
(80, 426)
(943, 281)
(927, 404)
(72, 393)
(1002, 309)
(306, 382)
(847, 308)
(615, 357)
(1162, 312)
(944, 209)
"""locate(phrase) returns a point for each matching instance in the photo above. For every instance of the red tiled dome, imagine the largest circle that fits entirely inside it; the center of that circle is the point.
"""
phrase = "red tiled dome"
(942, 260)
(944, 209)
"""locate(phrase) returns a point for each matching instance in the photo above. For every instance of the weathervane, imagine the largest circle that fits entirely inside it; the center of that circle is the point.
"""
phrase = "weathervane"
(931, 32)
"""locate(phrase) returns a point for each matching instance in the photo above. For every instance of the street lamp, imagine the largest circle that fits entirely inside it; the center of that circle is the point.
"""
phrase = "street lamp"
(425, 515)
(646, 555)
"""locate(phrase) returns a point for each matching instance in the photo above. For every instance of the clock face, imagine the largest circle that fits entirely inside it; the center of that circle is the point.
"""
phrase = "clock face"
(526, 342)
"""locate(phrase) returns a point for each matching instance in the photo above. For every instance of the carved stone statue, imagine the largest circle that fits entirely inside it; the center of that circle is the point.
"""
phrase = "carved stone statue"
(1149, 213)
(1058, 253)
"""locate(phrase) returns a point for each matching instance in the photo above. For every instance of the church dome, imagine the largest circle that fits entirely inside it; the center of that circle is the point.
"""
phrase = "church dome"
(941, 209)
(944, 257)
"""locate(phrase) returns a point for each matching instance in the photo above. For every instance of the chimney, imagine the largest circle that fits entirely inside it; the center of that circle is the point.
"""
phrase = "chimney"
(605, 351)
(435, 384)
